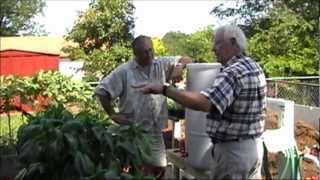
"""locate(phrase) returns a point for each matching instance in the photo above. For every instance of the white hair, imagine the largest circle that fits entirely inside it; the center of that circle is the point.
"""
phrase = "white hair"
(232, 31)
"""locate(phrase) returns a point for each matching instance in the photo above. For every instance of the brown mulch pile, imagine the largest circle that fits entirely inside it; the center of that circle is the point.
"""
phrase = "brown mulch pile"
(305, 135)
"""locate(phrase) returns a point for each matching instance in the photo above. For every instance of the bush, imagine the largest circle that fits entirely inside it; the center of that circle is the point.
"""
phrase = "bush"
(55, 144)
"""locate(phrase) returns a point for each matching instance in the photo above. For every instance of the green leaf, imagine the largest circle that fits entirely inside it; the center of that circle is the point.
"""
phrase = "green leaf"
(83, 164)
(111, 174)
(72, 141)
(126, 176)
(21, 174)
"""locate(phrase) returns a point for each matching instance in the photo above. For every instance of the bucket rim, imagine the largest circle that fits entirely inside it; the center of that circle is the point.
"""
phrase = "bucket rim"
(203, 65)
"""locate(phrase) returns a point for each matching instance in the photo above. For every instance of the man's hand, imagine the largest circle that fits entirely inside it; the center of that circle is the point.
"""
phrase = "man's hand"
(149, 88)
(120, 119)
(176, 75)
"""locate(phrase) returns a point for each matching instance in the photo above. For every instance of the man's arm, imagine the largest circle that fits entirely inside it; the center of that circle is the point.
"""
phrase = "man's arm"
(106, 102)
(189, 99)
(177, 73)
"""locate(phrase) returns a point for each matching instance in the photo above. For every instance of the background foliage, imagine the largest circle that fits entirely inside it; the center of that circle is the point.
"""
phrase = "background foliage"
(103, 33)
(159, 47)
(286, 47)
(197, 45)
(16, 17)
(283, 35)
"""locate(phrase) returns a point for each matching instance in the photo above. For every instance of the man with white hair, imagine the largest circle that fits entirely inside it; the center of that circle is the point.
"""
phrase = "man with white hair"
(235, 102)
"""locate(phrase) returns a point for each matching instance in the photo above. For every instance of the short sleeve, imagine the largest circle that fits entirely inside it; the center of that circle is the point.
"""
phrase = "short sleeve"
(223, 91)
(113, 84)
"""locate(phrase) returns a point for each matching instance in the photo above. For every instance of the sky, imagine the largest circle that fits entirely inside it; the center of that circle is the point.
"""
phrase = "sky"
(153, 17)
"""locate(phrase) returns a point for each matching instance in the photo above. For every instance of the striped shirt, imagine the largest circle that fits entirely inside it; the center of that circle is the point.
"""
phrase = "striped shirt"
(239, 94)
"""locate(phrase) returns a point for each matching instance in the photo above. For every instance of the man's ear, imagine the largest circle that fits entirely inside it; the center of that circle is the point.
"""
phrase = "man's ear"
(233, 41)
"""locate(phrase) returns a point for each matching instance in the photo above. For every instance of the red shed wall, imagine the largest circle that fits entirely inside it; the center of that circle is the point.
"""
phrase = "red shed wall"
(23, 63)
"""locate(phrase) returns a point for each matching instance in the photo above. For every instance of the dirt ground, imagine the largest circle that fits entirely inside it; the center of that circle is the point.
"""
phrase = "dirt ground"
(305, 135)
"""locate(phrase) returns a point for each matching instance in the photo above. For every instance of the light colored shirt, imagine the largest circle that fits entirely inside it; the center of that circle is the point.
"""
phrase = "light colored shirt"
(239, 94)
(149, 110)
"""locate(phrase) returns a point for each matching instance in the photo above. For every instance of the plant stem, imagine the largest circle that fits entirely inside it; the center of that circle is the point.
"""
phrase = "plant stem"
(10, 129)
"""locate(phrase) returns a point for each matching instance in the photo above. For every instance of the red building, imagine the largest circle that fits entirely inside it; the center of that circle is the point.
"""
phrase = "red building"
(25, 56)
(26, 63)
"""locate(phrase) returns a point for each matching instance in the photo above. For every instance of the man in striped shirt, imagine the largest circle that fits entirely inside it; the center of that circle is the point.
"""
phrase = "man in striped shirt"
(235, 103)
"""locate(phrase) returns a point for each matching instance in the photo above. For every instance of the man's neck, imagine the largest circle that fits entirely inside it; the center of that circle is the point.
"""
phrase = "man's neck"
(143, 65)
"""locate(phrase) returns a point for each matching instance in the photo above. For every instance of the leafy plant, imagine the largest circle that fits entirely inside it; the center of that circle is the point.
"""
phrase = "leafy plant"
(55, 144)
(175, 109)
(22, 93)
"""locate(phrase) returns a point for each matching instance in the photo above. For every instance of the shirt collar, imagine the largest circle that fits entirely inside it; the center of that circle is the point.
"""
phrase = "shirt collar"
(233, 60)
(134, 65)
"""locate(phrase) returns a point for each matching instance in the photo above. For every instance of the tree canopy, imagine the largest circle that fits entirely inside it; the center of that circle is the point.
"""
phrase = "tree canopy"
(16, 17)
(282, 34)
(247, 12)
(103, 33)
(286, 48)
(197, 45)
(174, 42)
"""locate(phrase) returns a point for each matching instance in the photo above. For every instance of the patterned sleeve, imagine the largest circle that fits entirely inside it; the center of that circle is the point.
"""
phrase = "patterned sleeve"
(112, 84)
(223, 91)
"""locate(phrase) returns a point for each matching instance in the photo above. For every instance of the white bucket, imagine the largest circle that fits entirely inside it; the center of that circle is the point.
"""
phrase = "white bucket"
(198, 144)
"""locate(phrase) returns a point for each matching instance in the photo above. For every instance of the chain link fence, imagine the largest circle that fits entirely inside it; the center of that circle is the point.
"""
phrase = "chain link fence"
(301, 90)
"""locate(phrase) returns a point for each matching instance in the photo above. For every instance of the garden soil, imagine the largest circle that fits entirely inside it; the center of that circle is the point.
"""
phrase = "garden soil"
(305, 135)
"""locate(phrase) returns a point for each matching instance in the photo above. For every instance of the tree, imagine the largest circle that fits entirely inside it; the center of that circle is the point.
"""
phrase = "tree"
(16, 17)
(250, 11)
(159, 48)
(199, 45)
(245, 11)
(174, 42)
(287, 47)
(283, 34)
(103, 33)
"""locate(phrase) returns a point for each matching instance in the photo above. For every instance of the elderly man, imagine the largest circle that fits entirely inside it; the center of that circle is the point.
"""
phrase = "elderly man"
(150, 110)
(235, 102)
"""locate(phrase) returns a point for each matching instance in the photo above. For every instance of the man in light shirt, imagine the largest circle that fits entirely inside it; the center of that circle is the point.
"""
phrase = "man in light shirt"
(236, 104)
(134, 106)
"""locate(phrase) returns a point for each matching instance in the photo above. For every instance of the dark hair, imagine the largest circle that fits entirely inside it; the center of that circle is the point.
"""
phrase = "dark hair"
(140, 39)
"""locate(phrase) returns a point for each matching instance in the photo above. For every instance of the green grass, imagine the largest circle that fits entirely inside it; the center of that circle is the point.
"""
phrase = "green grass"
(16, 121)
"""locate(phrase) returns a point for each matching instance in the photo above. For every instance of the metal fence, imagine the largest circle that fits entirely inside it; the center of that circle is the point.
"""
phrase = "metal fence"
(301, 90)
